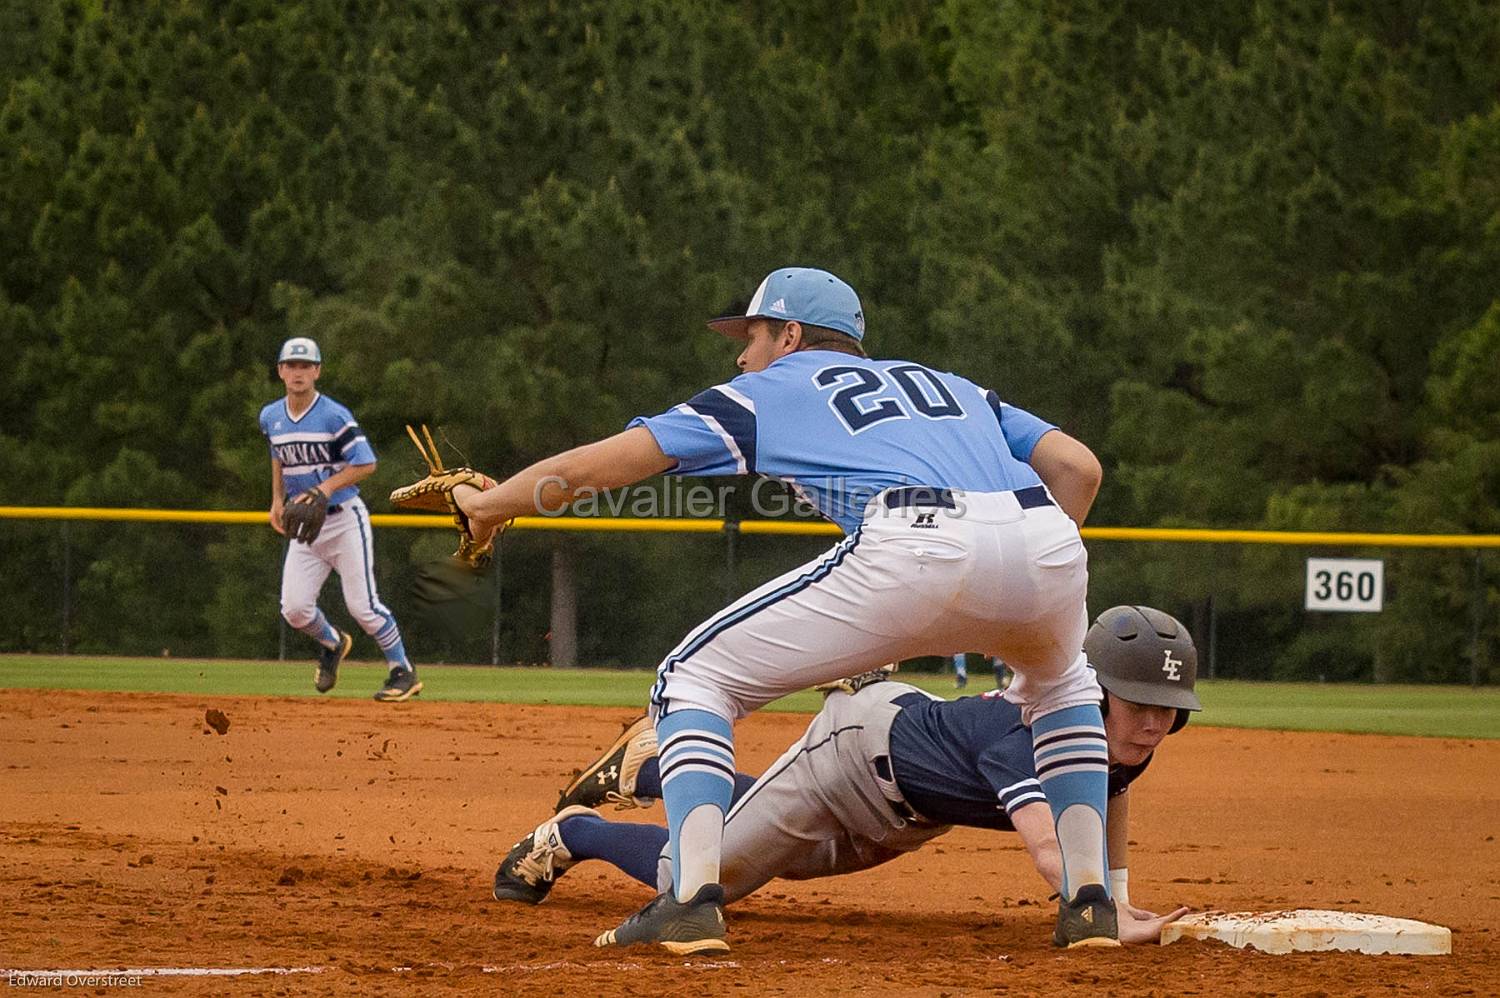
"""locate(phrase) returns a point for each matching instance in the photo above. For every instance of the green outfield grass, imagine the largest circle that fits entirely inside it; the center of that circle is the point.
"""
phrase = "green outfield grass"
(1456, 712)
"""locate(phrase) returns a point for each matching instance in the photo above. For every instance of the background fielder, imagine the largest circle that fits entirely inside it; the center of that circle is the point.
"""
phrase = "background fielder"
(318, 454)
(962, 519)
(881, 772)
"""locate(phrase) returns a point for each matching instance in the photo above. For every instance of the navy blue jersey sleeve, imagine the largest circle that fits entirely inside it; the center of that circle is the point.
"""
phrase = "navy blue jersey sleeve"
(1020, 428)
(1007, 764)
(713, 433)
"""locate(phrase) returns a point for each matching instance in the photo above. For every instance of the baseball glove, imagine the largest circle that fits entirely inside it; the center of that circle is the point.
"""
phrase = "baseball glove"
(435, 492)
(303, 517)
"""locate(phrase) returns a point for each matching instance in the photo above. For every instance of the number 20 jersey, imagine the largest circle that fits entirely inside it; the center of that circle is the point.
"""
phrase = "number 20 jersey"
(840, 429)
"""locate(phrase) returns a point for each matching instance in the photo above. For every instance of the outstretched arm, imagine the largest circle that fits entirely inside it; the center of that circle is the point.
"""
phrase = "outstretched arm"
(1070, 470)
(1117, 831)
(1136, 924)
(549, 485)
(1033, 823)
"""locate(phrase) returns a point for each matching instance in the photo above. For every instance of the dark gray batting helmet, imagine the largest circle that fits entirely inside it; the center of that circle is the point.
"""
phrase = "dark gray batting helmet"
(1145, 656)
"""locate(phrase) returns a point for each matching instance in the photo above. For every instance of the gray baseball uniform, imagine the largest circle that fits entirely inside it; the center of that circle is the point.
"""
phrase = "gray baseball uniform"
(848, 795)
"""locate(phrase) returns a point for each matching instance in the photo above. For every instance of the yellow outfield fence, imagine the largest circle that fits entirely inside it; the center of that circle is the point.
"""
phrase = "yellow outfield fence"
(1427, 584)
(684, 525)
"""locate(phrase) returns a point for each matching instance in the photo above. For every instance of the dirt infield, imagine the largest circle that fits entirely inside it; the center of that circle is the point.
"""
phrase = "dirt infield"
(361, 839)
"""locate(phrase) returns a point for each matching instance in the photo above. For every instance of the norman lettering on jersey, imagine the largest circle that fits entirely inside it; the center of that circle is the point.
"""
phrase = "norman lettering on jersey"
(316, 445)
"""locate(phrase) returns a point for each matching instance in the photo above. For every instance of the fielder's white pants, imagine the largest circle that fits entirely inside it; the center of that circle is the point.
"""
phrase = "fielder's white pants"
(344, 545)
(987, 576)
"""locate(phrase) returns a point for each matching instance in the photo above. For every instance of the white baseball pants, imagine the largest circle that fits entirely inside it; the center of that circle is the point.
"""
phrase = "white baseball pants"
(344, 545)
(987, 575)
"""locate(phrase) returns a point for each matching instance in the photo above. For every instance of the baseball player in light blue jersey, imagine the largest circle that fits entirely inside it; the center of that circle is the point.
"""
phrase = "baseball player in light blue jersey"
(961, 514)
(318, 455)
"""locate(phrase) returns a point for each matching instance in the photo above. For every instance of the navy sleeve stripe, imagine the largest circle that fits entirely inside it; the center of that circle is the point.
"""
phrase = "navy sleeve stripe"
(1021, 793)
(734, 418)
(993, 398)
(1019, 801)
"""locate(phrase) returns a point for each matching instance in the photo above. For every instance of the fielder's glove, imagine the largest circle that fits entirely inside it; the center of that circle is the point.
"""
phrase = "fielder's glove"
(853, 684)
(435, 492)
(303, 517)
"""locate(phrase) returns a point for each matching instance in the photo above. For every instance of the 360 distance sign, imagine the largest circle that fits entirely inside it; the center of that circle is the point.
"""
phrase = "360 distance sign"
(1345, 585)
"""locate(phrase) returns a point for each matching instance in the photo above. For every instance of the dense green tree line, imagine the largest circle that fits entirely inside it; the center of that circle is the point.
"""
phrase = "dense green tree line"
(1245, 251)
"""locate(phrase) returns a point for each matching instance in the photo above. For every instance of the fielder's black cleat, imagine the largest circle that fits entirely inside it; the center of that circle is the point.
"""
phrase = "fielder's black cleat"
(401, 684)
(853, 684)
(684, 928)
(328, 663)
(1087, 920)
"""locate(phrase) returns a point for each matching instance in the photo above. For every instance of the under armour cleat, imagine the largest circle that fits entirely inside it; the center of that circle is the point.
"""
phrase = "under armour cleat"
(611, 778)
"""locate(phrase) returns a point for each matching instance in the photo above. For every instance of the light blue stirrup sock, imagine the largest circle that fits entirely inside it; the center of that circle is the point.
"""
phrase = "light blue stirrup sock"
(1072, 765)
(696, 751)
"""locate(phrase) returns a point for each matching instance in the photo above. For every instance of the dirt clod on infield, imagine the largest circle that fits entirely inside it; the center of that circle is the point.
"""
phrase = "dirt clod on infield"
(216, 719)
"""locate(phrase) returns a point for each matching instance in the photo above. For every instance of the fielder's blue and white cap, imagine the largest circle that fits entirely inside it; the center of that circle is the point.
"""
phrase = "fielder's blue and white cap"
(300, 348)
(803, 294)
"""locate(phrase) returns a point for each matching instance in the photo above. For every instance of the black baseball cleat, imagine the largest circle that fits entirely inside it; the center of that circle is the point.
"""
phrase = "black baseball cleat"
(853, 684)
(610, 779)
(1087, 920)
(533, 865)
(401, 684)
(684, 928)
(328, 663)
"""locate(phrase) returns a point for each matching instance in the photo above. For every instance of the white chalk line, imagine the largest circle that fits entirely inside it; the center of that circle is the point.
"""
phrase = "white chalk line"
(164, 972)
(528, 968)
(510, 968)
(532, 968)
(249, 971)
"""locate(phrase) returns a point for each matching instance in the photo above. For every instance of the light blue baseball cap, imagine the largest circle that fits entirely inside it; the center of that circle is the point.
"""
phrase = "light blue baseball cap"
(300, 348)
(803, 294)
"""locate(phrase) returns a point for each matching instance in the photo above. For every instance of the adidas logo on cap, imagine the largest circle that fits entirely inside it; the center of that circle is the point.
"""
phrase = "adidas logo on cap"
(779, 305)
